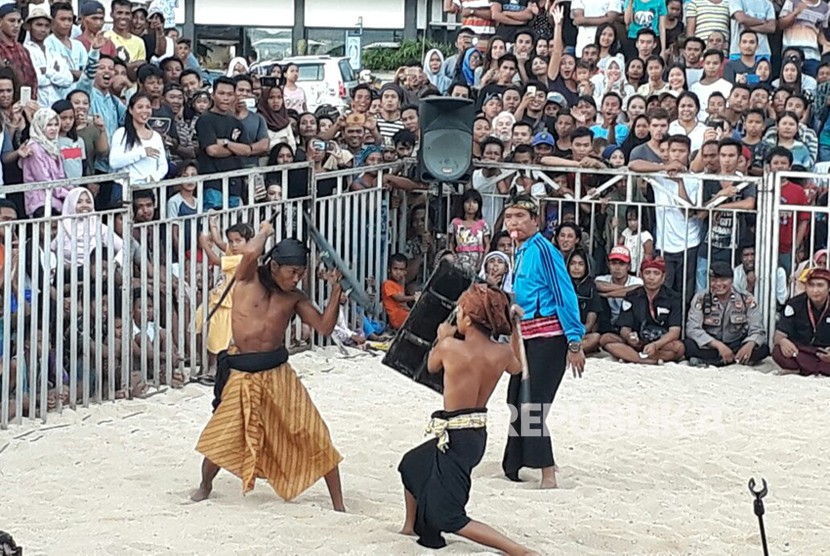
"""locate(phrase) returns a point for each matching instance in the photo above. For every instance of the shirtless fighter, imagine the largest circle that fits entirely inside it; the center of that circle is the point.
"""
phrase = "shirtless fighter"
(264, 422)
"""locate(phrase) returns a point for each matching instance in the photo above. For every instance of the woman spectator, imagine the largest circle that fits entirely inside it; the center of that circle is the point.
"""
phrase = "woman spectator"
(185, 148)
(635, 72)
(792, 79)
(786, 135)
(467, 65)
(588, 298)
(308, 127)
(83, 234)
(676, 79)
(655, 84)
(611, 80)
(562, 66)
(40, 160)
(238, 66)
(488, 72)
(272, 108)
(433, 62)
(688, 108)
(73, 150)
(639, 135)
(492, 106)
(293, 95)
(92, 133)
(636, 106)
(537, 70)
(136, 148)
(763, 70)
(606, 39)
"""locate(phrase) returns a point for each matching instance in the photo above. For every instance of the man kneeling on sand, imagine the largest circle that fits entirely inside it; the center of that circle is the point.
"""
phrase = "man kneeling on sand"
(437, 474)
(650, 322)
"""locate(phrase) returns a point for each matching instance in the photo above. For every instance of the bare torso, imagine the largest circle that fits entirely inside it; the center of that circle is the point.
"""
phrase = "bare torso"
(472, 369)
(260, 317)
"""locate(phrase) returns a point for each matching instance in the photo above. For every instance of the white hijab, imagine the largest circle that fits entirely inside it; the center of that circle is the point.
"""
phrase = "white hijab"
(507, 279)
(82, 238)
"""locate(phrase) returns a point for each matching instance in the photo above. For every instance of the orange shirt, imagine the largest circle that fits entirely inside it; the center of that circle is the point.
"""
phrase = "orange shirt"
(396, 312)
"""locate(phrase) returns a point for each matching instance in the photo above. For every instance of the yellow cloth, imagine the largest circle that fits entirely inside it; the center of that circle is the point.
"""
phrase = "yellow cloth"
(220, 331)
(438, 427)
(267, 426)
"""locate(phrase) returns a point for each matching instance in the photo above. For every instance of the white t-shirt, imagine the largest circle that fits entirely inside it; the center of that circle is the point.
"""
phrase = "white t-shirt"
(488, 187)
(675, 233)
(615, 303)
(591, 8)
(695, 136)
(703, 93)
(635, 243)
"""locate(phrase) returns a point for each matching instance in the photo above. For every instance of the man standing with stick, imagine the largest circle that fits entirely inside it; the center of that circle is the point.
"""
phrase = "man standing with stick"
(552, 335)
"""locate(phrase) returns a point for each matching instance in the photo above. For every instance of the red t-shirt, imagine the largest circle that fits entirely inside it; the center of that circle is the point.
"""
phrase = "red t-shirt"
(108, 49)
(791, 194)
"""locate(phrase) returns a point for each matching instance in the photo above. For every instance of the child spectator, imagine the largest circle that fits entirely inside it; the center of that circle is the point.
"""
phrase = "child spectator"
(469, 234)
(145, 334)
(394, 294)
(183, 204)
(73, 149)
(496, 271)
(343, 332)
(40, 161)
(639, 242)
(219, 328)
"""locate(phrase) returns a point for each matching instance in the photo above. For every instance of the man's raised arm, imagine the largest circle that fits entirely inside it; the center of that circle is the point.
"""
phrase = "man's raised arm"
(246, 271)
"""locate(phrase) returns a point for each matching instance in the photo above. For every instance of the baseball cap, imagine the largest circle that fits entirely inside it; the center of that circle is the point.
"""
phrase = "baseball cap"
(620, 253)
(139, 8)
(721, 269)
(557, 98)
(7, 9)
(542, 138)
(91, 7)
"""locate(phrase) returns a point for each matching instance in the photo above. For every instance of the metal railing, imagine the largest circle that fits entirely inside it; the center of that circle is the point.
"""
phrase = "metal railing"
(73, 334)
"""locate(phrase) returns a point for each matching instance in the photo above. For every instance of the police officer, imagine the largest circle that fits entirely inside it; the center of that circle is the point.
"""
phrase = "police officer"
(650, 321)
(724, 324)
(802, 335)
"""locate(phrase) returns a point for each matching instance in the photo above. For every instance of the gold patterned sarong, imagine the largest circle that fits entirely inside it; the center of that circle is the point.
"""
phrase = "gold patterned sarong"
(267, 426)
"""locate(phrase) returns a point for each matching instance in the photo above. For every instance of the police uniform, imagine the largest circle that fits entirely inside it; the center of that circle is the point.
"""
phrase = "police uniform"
(734, 320)
(808, 327)
(646, 318)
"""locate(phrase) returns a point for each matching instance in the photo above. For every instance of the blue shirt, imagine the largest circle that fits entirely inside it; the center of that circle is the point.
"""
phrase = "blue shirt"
(620, 133)
(111, 109)
(543, 286)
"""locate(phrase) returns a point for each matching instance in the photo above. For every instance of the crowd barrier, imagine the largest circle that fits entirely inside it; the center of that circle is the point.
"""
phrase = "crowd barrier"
(69, 319)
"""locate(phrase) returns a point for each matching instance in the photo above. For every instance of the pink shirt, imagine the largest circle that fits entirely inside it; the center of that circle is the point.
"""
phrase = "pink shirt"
(40, 167)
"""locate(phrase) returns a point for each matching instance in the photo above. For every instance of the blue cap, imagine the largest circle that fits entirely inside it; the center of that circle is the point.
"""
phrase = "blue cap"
(543, 138)
(6, 9)
(91, 7)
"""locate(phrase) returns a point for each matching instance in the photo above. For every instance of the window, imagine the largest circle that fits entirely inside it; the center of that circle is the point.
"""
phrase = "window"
(217, 46)
(333, 41)
(311, 72)
(346, 71)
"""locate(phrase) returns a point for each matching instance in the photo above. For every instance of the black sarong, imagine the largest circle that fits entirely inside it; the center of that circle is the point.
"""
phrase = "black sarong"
(440, 481)
(529, 444)
(245, 362)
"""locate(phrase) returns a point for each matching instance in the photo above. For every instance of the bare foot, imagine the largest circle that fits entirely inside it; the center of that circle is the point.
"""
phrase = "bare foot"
(548, 483)
(339, 508)
(178, 380)
(408, 531)
(201, 494)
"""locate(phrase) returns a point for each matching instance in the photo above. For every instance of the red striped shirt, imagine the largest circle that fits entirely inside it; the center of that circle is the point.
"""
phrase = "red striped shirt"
(544, 327)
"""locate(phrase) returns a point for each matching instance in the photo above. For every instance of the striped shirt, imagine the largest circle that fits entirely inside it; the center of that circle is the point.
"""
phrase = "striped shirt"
(388, 128)
(709, 17)
(544, 288)
(479, 25)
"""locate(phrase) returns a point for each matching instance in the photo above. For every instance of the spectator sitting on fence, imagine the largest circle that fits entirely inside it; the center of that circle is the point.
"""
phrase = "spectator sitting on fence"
(650, 321)
(588, 298)
(40, 160)
(144, 339)
(393, 290)
(83, 231)
(725, 324)
(219, 333)
(802, 335)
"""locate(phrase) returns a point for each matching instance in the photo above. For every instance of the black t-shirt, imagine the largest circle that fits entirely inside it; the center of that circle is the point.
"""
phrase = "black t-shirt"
(210, 128)
(797, 324)
(163, 121)
(149, 39)
(665, 311)
(508, 32)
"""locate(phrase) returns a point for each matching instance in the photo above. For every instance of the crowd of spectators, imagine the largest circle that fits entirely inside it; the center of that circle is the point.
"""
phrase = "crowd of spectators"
(724, 91)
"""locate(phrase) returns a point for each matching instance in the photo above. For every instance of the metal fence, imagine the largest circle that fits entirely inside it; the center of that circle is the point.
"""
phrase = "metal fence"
(87, 317)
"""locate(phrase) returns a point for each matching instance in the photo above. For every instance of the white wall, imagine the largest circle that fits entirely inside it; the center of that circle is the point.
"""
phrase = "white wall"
(376, 14)
(250, 13)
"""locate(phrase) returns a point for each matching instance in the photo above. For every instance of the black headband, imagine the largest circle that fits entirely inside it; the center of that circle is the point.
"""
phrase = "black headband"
(290, 252)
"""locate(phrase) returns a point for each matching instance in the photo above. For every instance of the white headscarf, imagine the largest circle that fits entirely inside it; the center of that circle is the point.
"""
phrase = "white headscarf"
(507, 279)
(37, 132)
(83, 239)
(441, 81)
(232, 66)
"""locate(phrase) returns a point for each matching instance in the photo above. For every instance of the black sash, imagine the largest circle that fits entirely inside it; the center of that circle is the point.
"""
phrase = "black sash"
(246, 363)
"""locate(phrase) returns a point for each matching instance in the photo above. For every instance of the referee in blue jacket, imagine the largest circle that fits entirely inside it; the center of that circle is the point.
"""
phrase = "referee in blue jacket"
(552, 331)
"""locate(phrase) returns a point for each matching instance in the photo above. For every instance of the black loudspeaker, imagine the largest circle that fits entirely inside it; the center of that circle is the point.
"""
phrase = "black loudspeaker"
(446, 150)
(409, 349)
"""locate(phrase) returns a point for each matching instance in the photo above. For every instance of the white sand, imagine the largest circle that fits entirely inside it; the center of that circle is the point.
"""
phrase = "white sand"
(653, 460)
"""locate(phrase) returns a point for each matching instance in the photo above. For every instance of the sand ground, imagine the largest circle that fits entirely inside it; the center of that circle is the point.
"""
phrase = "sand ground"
(653, 461)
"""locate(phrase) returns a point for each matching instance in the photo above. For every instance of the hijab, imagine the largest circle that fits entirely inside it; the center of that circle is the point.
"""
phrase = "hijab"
(276, 120)
(469, 73)
(37, 132)
(438, 79)
(82, 238)
(232, 65)
(507, 280)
